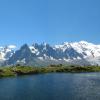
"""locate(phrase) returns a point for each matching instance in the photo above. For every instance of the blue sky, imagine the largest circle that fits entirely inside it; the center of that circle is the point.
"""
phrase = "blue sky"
(51, 21)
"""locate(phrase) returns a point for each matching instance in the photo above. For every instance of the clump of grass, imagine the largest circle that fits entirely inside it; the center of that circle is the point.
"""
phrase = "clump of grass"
(27, 70)
(6, 72)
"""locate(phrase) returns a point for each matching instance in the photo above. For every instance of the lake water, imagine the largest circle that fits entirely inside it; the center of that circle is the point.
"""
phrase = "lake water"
(54, 86)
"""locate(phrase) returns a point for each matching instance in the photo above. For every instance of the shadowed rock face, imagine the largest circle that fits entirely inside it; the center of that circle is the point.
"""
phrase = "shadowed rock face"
(23, 53)
(48, 54)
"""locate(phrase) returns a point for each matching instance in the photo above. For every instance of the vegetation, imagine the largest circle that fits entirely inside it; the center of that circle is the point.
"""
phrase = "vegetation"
(26, 70)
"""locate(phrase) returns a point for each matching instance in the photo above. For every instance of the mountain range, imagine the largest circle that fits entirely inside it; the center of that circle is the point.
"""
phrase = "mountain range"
(79, 53)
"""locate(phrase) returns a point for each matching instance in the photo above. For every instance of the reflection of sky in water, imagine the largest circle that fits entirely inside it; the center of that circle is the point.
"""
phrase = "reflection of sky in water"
(86, 86)
(66, 86)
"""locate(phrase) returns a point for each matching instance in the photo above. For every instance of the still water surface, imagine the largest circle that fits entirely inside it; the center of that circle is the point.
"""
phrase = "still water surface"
(54, 86)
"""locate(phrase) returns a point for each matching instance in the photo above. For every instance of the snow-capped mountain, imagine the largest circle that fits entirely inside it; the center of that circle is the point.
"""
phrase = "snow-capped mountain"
(89, 51)
(82, 47)
(81, 53)
(6, 52)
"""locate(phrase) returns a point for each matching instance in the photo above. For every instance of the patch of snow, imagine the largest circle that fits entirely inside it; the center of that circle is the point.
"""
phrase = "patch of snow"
(41, 58)
(51, 58)
(33, 49)
(21, 61)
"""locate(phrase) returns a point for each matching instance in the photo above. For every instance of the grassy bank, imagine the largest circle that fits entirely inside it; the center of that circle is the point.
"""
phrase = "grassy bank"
(26, 70)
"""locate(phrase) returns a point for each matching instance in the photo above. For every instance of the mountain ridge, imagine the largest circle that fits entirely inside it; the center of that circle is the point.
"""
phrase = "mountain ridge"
(81, 53)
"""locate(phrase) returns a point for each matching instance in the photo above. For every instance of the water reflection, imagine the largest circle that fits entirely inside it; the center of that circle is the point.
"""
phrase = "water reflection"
(57, 86)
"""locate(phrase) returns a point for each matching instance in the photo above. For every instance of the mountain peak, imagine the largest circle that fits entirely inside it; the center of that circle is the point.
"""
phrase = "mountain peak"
(83, 41)
(24, 46)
